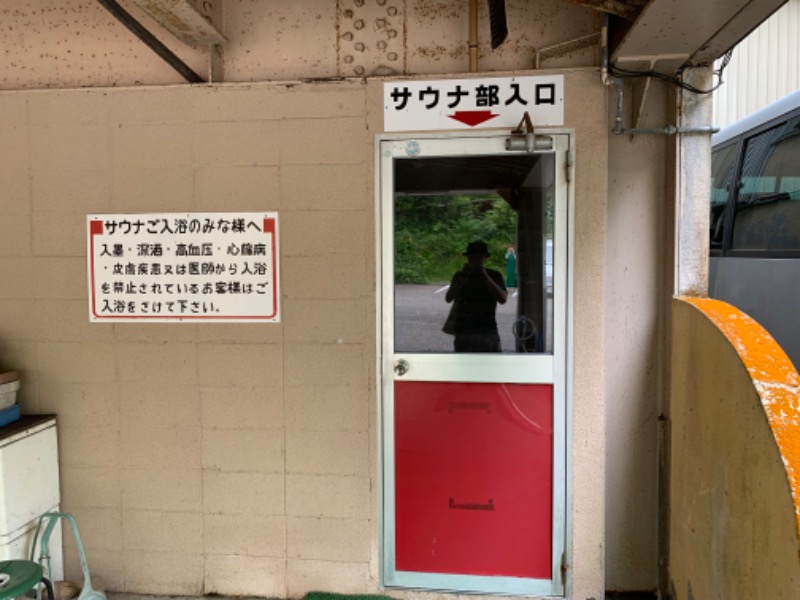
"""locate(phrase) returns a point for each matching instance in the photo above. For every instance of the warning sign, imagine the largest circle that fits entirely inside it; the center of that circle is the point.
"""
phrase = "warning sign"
(183, 267)
(473, 103)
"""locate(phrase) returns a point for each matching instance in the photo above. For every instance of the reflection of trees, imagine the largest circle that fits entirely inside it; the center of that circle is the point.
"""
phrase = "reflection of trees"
(431, 232)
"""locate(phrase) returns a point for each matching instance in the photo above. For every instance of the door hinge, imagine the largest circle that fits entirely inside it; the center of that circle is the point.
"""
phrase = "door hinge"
(568, 166)
(564, 568)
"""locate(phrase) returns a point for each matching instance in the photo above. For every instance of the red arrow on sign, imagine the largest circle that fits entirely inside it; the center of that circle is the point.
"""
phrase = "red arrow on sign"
(473, 117)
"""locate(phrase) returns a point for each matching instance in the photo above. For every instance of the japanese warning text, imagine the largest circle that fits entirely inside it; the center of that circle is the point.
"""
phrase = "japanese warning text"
(183, 267)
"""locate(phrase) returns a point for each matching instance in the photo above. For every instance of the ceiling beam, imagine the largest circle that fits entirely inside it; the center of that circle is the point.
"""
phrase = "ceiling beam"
(190, 21)
(627, 9)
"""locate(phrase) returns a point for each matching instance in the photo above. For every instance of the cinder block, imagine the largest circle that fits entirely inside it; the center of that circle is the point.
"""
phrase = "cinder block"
(324, 233)
(237, 188)
(16, 185)
(68, 321)
(333, 365)
(327, 452)
(243, 450)
(143, 189)
(19, 324)
(160, 364)
(241, 333)
(19, 276)
(305, 576)
(15, 149)
(78, 362)
(66, 191)
(327, 408)
(340, 100)
(61, 277)
(328, 277)
(234, 103)
(144, 405)
(15, 235)
(171, 573)
(100, 529)
(339, 141)
(59, 235)
(323, 186)
(333, 496)
(89, 446)
(240, 365)
(162, 489)
(340, 540)
(242, 408)
(252, 494)
(90, 487)
(245, 576)
(155, 447)
(150, 105)
(245, 535)
(341, 321)
(105, 565)
(70, 146)
(156, 333)
(230, 143)
(176, 532)
(279, 101)
(159, 146)
(69, 106)
(82, 405)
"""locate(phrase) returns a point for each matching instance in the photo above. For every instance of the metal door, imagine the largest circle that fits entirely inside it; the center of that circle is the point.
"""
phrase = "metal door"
(473, 442)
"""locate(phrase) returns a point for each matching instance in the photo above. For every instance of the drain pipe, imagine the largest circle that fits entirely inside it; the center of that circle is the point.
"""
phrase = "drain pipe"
(668, 130)
(151, 41)
(473, 36)
(604, 76)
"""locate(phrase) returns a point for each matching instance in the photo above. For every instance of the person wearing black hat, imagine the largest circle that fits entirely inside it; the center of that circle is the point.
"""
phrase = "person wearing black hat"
(475, 291)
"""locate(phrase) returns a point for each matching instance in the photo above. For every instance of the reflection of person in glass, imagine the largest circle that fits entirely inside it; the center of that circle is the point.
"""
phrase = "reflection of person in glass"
(476, 291)
(511, 267)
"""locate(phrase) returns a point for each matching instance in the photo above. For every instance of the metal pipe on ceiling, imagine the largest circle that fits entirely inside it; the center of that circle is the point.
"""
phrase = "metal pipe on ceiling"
(151, 41)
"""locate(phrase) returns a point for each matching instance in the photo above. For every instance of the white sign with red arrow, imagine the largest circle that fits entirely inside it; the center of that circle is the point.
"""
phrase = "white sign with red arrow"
(473, 103)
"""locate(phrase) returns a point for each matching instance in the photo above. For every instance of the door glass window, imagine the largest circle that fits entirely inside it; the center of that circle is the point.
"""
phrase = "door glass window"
(473, 248)
(768, 205)
(722, 174)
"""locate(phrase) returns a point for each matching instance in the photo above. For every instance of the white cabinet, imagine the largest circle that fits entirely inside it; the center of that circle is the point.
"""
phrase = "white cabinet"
(29, 486)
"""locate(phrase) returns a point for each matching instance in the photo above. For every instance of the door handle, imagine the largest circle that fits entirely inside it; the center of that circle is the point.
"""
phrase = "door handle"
(401, 367)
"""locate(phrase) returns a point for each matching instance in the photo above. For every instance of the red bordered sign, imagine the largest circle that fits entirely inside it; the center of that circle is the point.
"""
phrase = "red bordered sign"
(183, 267)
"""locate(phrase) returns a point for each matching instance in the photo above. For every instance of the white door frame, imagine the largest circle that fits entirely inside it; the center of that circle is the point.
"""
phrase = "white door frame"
(556, 368)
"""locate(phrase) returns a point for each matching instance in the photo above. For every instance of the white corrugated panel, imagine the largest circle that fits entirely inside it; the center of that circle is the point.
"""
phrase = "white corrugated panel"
(764, 67)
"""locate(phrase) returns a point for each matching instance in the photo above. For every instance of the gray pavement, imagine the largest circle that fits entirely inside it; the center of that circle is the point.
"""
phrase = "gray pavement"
(421, 311)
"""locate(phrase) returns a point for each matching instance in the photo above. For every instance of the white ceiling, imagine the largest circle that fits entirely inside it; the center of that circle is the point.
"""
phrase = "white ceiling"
(670, 34)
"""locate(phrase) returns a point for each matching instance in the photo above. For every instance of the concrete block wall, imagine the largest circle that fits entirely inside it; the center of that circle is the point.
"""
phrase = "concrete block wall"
(241, 459)
(200, 458)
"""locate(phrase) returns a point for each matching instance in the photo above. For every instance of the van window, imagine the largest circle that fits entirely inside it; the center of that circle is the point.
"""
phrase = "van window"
(723, 163)
(767, 214)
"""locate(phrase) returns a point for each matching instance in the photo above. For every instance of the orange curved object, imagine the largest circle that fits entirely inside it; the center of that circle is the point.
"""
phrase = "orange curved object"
(774, 377)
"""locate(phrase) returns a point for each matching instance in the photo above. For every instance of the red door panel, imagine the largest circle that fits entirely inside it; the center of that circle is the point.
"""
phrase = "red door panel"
(473, 478)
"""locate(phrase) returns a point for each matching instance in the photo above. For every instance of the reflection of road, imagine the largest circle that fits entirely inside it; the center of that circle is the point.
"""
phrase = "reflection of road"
(421, 311)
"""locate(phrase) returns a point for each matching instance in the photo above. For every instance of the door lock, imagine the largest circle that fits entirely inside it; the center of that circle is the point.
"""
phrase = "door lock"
(401, 367)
